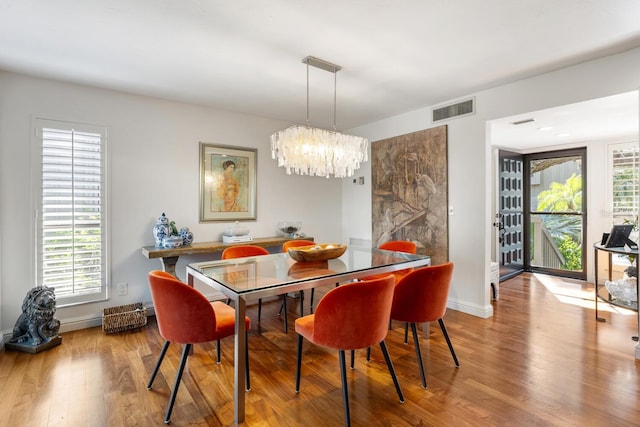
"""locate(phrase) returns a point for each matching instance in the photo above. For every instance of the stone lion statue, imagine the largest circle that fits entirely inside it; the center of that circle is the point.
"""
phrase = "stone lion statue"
(36, 325)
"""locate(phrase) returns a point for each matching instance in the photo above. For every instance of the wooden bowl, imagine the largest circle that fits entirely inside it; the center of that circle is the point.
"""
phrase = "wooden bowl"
(317, 252)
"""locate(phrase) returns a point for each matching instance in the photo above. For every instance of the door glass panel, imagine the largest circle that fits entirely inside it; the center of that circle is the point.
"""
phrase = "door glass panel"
(556, 225)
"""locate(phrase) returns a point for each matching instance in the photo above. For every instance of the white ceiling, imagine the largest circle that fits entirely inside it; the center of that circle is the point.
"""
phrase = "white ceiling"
(245, 55)
(613, 118)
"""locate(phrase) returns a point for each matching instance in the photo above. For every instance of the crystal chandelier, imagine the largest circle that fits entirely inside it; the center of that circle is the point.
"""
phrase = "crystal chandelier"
(306, 150)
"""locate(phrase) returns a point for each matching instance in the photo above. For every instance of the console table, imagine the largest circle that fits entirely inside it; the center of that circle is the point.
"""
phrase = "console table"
(601, 291)
(169, 256)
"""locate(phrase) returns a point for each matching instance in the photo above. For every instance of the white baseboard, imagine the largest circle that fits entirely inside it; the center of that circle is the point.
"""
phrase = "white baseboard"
(478, 311)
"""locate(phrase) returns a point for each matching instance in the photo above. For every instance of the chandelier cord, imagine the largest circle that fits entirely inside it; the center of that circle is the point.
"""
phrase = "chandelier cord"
(335, 91)
(308, 122)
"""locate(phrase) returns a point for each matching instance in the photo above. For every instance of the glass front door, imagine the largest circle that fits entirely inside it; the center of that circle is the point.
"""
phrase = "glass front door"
(555, 224)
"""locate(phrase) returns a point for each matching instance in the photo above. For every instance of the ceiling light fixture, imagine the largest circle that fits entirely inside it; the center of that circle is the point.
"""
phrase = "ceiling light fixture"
(306, 150)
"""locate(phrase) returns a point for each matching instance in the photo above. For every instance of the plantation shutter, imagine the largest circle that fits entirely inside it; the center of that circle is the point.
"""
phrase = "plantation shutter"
(71, 220)
(625, 162)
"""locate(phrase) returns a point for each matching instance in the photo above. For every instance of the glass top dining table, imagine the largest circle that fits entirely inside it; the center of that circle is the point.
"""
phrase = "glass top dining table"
(250, 278)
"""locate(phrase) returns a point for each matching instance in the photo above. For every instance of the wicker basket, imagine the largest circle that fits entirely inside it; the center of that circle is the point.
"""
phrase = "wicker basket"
(124, 318)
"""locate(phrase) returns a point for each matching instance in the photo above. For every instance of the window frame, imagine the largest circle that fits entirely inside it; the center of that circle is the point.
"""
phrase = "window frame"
(38, 124)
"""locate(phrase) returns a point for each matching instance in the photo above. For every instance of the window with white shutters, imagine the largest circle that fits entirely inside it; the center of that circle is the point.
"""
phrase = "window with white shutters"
(71, 216)
(624, 161)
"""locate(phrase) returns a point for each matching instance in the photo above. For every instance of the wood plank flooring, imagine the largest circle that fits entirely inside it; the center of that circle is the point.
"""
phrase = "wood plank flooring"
(542, 360)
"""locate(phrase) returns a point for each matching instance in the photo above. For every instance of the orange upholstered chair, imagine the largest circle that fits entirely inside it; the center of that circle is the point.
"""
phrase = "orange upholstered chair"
(285, 248)
(399, 246)
(348, 317)
(421, 296)
(186, 317)
(241, 251)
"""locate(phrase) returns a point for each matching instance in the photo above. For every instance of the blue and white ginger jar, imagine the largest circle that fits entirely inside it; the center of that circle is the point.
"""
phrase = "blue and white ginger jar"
(187, 236)
(161, 229)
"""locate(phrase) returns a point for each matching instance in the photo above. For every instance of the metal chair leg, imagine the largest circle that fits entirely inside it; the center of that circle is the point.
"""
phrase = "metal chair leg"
(246, 361)
(301, 303)
(286, 323)
(345, 392)
(368, 354)
(313, 291)
(353, 356)
(158, 363)
(446, 337)
(406, 333)
(298, 363)
(174, 393)
(392, 371)
(416, 341)
(259, 309)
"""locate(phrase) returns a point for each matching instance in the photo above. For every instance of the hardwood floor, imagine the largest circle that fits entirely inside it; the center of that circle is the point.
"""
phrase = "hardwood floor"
(541, 360)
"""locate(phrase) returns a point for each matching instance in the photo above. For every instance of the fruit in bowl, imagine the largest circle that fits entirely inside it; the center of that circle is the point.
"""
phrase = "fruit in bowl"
(317, 252)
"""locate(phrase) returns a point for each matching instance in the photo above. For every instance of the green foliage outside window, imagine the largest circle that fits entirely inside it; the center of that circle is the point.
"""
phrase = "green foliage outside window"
(566, 231)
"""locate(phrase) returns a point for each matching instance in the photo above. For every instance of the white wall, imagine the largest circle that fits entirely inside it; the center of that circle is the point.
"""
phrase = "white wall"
(153, 168)
(470, 164)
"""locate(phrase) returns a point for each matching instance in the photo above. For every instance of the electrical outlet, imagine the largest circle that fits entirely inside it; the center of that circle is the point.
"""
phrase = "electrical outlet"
(123, 288)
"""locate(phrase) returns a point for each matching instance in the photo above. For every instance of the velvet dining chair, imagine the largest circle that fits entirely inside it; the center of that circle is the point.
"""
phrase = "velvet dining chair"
(185, 316)
(285, 248)
(400, 246)
(396, 246)
(348, 317)
(421, 296)
(241, 251)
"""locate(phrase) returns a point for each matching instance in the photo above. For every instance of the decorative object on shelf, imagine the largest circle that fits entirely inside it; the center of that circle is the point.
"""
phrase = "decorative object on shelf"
(187, 236)
(624, 290)
(237, 233)
(166, 234)
(228, 183)
(174, 229)
(306, 150)
(290, 229)
(161, 229)
(631, 271)
(236, 229)
(317, 252)
(37, 328)
(171, 242)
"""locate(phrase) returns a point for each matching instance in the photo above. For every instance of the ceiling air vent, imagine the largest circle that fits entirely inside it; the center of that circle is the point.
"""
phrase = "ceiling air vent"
(462, 108)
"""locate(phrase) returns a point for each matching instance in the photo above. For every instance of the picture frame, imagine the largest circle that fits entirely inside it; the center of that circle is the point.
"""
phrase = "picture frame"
(228, 183)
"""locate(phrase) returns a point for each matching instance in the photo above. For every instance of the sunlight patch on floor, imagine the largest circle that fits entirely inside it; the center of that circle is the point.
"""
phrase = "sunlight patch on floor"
(578, 293)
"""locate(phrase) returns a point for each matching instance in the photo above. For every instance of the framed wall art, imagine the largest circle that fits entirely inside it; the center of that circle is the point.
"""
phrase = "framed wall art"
(228, 183)
(409, 183)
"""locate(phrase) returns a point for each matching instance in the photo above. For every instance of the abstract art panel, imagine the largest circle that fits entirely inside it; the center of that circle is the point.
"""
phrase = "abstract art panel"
(409, 191)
